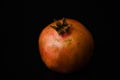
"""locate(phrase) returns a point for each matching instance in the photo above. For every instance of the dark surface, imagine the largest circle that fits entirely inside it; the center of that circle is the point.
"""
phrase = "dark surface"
(37, 15)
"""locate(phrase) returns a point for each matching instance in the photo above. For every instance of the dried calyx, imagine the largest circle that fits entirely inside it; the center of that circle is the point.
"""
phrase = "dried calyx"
(61, 28)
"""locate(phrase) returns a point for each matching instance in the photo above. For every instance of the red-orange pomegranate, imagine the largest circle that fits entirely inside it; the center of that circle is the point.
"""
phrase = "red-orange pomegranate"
(65, 45)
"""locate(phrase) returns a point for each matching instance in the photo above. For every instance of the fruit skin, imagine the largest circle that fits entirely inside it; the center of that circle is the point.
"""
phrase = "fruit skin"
(68, 52)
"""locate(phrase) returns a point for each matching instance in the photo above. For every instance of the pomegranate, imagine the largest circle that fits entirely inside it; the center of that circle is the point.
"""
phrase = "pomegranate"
(65, 45)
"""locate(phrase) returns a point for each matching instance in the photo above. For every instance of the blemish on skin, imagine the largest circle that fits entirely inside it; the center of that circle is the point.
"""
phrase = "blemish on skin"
(68, 41)
(55, 48)
(78, 43)
(56, 40)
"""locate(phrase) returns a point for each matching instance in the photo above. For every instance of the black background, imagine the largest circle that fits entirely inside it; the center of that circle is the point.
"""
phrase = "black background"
(38, 14)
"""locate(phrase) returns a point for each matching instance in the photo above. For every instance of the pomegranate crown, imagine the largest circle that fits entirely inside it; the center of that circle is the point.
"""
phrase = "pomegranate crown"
(61, 28)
